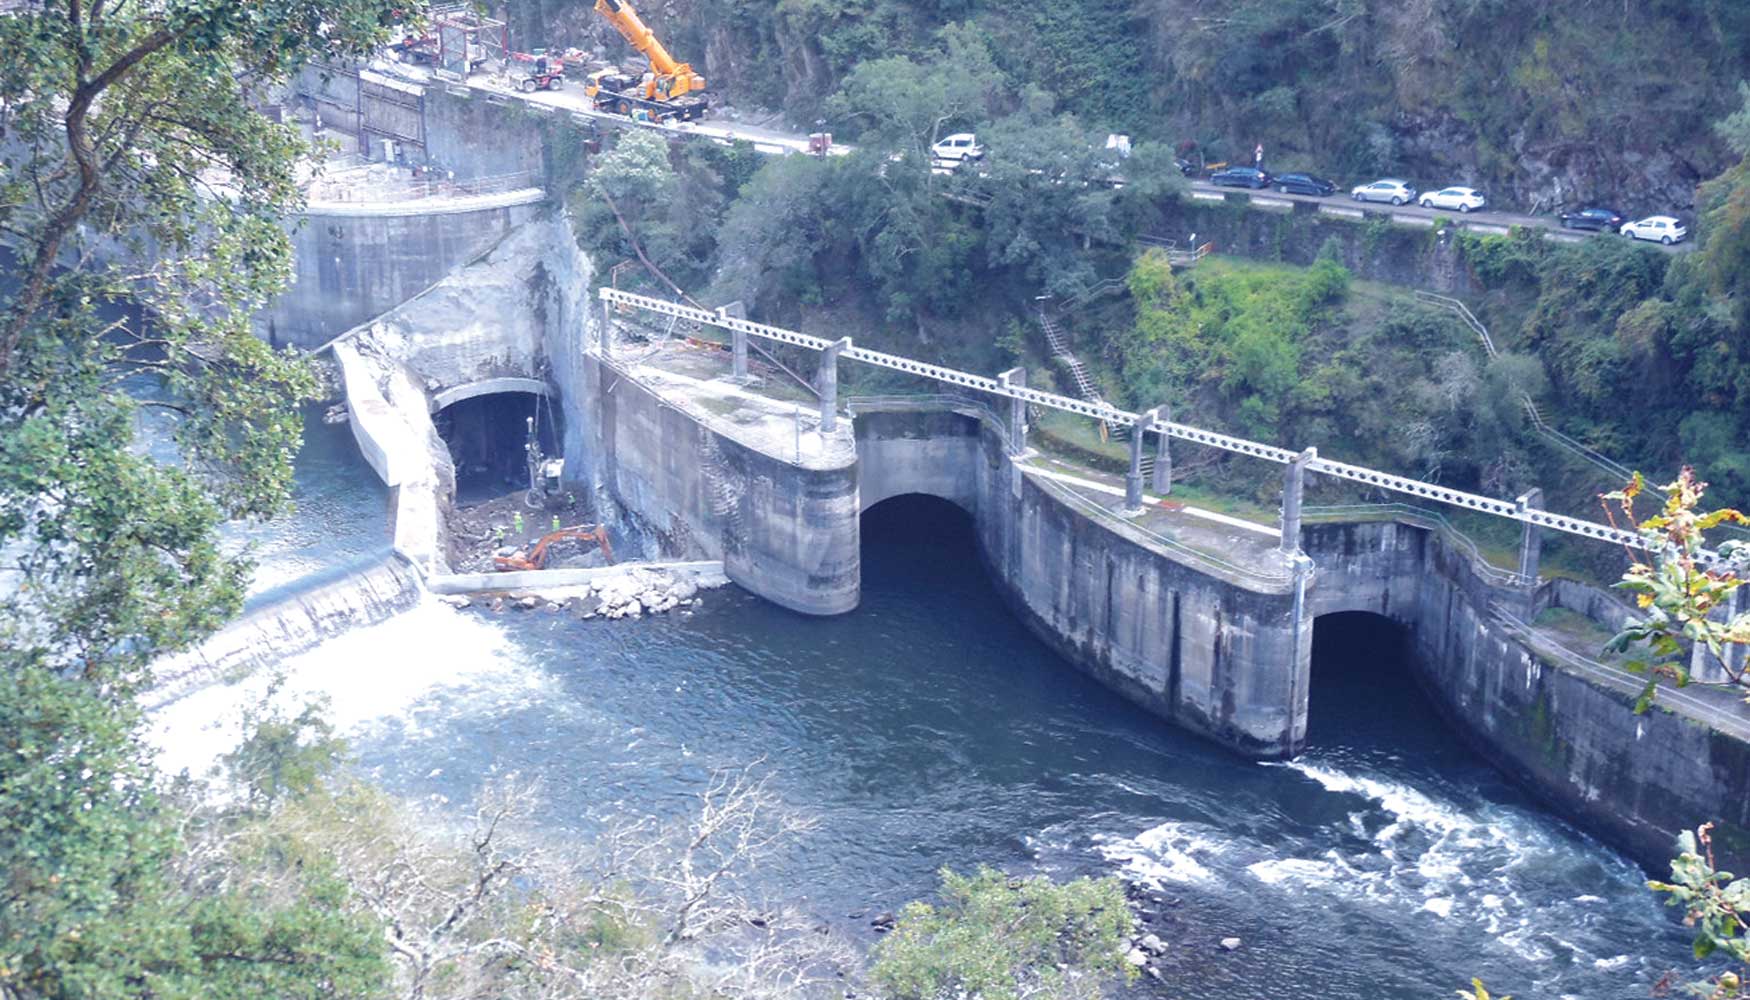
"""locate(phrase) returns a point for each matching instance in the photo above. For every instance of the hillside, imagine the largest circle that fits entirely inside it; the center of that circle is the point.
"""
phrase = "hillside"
(1541, 103)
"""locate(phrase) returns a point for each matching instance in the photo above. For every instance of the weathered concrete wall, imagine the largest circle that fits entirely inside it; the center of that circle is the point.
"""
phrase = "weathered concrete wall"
(784, 531)
(1637, 780)
(352, 268)
(479, 135)
(1219, 656)
(1403, 255)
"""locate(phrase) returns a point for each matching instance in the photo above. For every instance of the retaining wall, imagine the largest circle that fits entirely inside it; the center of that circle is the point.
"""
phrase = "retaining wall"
(1572, 738)
(352, 268)
(784, 531)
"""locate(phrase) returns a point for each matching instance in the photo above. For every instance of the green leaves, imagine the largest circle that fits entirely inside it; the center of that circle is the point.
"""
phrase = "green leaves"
(1004, 939)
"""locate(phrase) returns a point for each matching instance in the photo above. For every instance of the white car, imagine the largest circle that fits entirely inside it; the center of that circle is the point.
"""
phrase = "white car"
(1462, 198)
(957, 148)
(1395, 191)
(1659, 228)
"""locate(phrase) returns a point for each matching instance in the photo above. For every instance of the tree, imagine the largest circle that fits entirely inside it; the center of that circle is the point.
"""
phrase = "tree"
(1004, 939)
(1686, 591)
(904, 106)
(143, 201)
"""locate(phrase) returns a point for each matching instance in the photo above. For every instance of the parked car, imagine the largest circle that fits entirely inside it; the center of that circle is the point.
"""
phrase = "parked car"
(1186, 167)
(1250, 177)
(1386, 189)
(957, 147)
(1304, 184)
(1461, 198)
(1661, 228)
(1592, 218)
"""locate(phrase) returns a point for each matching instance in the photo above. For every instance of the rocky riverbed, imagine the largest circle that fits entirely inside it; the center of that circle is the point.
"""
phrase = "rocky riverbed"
(631, 591)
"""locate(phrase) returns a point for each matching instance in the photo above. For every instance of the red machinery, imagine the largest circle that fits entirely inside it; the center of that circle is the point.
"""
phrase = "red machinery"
(532, 71)
(536, 557)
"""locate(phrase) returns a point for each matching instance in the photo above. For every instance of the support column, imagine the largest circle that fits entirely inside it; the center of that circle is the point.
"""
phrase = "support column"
(1293, 485)
(1133, 480)
(1159, 418)
(607, 330)
(1530, 537)
(1017, 378)
(828, 384)
(1704, 666)
(737, 338)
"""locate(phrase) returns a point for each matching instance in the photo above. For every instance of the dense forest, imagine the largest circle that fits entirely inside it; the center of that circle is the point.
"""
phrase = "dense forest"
(1542, 103)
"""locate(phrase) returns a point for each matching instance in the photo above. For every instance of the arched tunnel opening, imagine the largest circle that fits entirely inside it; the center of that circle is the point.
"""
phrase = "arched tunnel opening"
(486, 434)
(1364, 696)
(915, 542)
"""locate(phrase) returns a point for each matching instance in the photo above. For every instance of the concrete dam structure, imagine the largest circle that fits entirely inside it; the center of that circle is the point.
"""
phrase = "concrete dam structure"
(1205, 621)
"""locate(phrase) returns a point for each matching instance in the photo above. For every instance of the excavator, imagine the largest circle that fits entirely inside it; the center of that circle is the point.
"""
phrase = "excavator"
(536, 557)
(670, 91)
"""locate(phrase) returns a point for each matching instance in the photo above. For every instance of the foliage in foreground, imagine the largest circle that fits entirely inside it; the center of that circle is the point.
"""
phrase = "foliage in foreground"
(1000, 938)
(1685, 589)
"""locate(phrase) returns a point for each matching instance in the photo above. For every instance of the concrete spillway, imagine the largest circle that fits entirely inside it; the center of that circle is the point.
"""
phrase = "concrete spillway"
(290, 620)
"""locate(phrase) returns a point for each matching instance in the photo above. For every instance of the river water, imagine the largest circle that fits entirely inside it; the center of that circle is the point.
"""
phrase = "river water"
(930, 729)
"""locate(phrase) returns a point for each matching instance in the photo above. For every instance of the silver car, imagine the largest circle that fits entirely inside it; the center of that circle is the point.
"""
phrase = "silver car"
(1388, 190)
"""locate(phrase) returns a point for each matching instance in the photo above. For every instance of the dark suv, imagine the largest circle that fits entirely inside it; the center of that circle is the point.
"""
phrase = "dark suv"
(1607, 219)
(1246, 177)
(1311, 184)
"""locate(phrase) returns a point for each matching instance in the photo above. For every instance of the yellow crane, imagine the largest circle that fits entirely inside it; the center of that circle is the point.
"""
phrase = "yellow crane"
(671, 90)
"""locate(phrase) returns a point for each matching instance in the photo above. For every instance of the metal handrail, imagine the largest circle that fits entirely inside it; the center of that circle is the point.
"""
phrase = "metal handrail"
(1561, 440)
(1424, 518)
(1622, 680)
(996, 424)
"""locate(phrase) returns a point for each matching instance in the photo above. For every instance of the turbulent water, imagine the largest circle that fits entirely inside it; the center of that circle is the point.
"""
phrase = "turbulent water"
(929, 728)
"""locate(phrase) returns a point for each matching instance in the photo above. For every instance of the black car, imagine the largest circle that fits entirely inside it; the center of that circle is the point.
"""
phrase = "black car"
(1185, 167)
(1247, 177)
(1593, 218)
(1311, 184)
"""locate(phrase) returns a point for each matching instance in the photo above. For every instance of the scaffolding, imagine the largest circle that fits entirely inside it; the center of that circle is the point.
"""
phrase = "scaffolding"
(462, 40)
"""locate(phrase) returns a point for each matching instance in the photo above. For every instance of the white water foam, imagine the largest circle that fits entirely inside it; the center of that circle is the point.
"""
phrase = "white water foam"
(1170, 852)
(381, 672)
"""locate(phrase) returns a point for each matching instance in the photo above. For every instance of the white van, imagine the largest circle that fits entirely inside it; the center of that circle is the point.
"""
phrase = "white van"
(958, 147)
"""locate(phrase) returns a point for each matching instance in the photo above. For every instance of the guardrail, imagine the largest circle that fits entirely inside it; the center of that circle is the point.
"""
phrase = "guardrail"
(1617, 471)
(1115, 416)
(1423, 518)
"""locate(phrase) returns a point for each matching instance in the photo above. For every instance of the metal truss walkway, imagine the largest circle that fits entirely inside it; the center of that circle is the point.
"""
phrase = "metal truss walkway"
(1521, 511)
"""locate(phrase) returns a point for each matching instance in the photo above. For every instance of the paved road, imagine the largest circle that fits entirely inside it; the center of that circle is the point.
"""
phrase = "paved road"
(570, 99)
(1485, 221)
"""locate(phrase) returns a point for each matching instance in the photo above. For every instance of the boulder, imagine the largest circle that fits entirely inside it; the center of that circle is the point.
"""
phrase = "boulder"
(1135, 957)
(1230, 944)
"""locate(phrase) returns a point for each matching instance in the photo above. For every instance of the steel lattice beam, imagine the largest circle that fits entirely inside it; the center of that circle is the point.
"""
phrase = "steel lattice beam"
(1112, 415)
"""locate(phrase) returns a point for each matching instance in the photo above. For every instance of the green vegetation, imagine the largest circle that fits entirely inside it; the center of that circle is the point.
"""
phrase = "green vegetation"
(1683, 595)
(120, 121)
(1436, 88)
(1293, 355)
(1005, 939)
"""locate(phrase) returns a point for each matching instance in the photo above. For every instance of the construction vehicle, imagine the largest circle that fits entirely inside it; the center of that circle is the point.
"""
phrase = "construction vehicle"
(670, 91)
(536, 556)
(532, 71)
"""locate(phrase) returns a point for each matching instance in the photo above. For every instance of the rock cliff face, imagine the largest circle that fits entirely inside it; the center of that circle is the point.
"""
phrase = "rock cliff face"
(1543, 104)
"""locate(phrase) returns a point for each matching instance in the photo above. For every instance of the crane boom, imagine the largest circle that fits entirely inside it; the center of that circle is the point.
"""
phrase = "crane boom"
(629, 24)
(671, 90)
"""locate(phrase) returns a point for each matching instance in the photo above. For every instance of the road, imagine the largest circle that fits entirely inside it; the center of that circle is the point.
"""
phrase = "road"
(1485, 221)
(570, 99)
